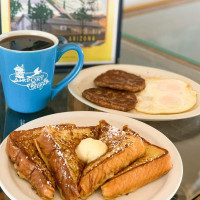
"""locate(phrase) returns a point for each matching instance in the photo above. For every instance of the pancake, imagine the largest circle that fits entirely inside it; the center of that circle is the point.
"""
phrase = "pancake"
(109, 98)
(120, 80)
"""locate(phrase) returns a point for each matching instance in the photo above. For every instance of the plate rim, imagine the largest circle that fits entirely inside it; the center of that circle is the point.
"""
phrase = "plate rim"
(113, 116)
(140, 116)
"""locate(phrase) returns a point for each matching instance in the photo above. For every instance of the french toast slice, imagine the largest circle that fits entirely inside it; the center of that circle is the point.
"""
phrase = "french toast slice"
(155, 163)
(123, 148)
(57, 147)
(21, 150)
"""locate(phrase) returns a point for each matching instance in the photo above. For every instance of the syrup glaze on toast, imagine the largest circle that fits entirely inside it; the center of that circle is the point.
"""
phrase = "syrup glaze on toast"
(123, 148)
(58, 148)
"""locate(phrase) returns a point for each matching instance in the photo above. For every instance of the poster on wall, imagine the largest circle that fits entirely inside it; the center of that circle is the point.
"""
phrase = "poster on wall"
(92, 24)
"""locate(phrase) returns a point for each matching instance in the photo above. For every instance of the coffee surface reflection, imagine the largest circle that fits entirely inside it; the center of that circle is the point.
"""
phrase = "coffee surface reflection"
(26, 43)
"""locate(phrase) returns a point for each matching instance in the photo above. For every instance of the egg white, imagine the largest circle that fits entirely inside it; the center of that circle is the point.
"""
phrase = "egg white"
(165, 96)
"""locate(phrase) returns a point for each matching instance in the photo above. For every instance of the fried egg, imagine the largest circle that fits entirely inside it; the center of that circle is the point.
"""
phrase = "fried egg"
(165, 96)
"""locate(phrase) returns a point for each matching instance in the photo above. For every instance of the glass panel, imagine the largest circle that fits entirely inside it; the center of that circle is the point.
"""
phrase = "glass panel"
(174, 30)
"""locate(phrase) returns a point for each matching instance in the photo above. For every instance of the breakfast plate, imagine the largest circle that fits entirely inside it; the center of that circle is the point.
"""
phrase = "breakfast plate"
(85, 81)
(164, 188)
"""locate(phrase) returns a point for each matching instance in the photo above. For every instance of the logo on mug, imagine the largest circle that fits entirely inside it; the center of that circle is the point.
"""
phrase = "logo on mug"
(32, 80)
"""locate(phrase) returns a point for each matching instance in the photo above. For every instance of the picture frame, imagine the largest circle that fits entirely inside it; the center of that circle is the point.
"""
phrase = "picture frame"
(93, 24)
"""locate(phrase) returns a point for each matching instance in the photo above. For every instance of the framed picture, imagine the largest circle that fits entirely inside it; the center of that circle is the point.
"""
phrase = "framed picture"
(93, 24)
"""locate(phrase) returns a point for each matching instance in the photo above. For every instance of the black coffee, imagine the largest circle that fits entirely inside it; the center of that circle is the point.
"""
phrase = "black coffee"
(26, 43)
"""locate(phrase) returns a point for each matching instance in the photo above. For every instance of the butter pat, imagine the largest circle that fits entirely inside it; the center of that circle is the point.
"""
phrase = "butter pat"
(90, 149)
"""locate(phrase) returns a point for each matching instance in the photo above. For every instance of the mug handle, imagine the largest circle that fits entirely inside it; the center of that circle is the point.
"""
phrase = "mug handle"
(63, 49)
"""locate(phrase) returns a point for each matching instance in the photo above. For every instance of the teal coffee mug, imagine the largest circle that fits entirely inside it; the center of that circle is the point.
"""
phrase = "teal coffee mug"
(27, 63)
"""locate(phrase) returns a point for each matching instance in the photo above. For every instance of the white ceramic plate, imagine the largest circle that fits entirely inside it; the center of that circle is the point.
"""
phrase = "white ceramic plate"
(163, 188)
(85, 80)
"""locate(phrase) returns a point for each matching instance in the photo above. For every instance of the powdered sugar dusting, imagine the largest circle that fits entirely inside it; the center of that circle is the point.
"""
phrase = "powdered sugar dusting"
(57, 147)
(114, 138)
